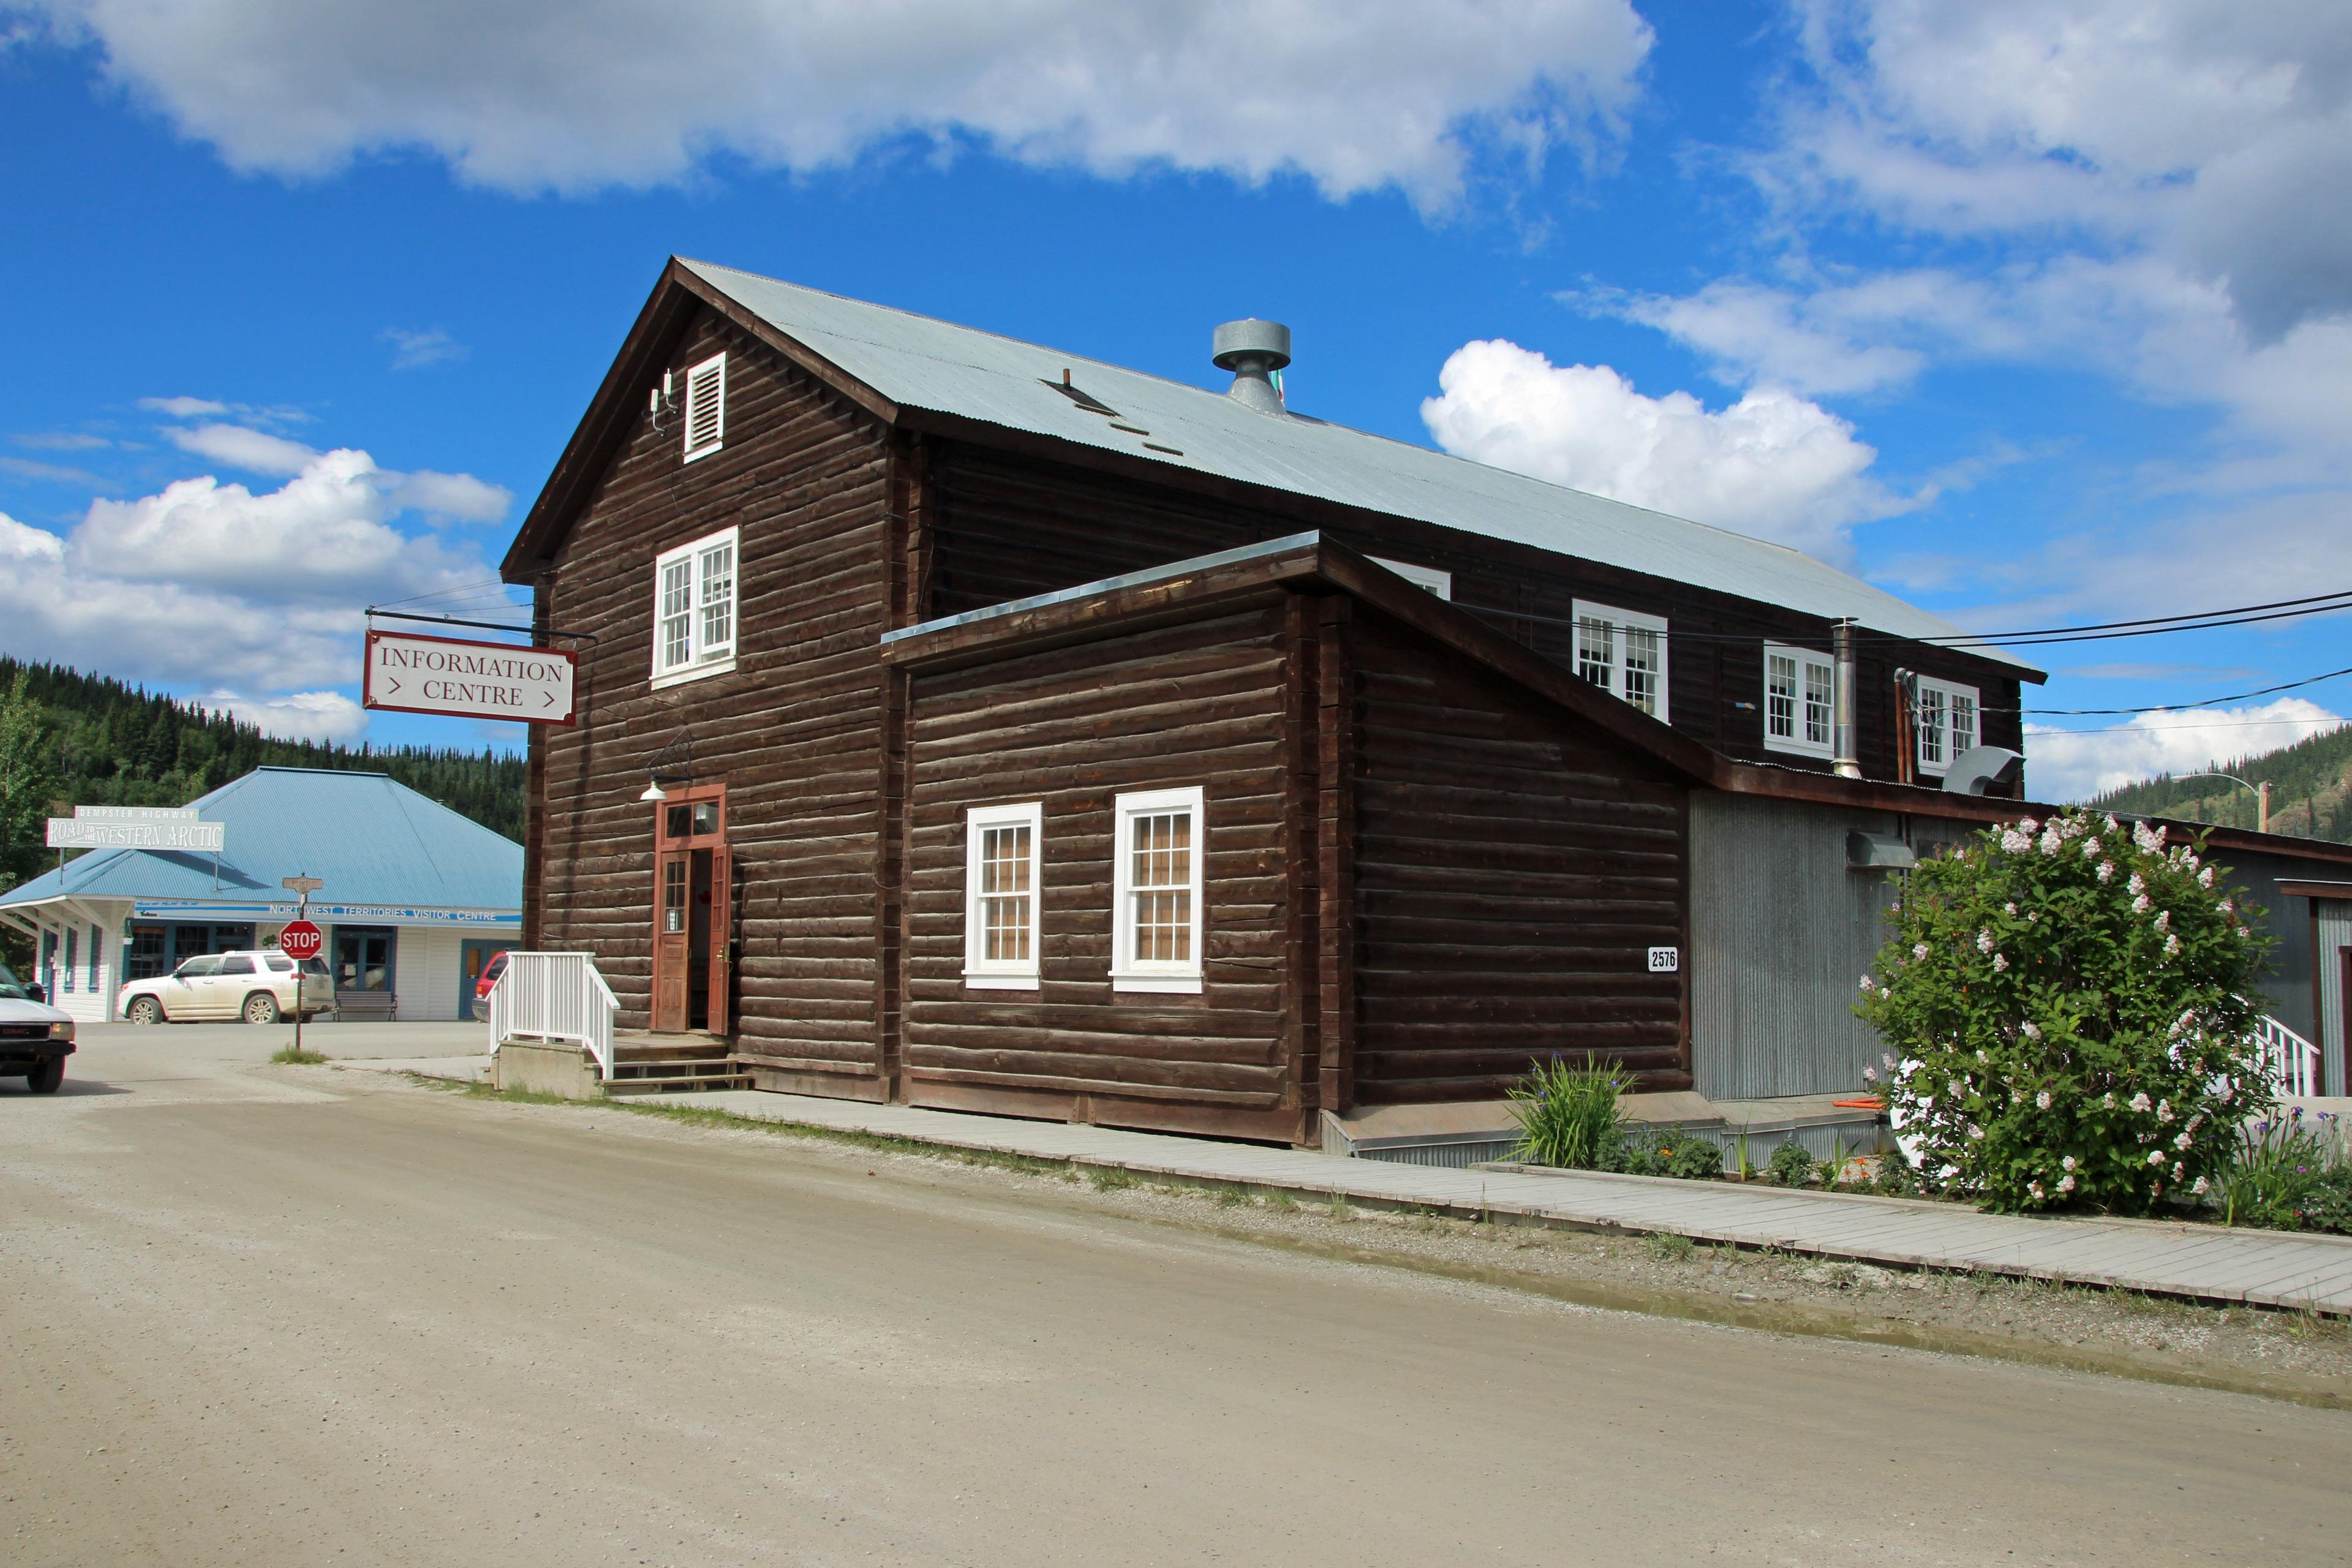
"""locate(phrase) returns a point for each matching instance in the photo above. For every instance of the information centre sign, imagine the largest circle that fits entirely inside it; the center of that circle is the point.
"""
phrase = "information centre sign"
(412, 674)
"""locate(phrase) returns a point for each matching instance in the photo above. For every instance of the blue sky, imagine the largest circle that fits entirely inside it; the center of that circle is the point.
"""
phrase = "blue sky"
(2031, 313)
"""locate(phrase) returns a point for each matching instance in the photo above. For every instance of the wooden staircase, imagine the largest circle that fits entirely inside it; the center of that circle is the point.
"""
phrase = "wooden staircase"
(672, 1064)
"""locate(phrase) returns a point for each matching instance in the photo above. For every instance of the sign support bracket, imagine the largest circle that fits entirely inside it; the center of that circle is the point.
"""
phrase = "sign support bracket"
(485, 626)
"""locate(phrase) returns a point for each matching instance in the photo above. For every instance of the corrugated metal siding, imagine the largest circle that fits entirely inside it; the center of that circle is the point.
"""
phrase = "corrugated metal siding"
(2335, 940)
(2286, 988)
(1782, 934)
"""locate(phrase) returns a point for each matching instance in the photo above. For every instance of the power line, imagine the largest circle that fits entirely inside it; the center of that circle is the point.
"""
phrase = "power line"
(2324, 602)
(2177, 707)
(2321, 726)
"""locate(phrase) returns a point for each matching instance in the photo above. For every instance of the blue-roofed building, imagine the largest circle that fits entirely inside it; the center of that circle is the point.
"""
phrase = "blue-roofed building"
(414, 897)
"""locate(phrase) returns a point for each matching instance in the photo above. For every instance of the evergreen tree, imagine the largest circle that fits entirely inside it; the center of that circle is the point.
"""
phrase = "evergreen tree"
(94, 740)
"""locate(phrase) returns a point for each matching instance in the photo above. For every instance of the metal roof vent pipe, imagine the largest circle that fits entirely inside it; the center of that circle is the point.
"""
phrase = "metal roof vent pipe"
(1253, 351)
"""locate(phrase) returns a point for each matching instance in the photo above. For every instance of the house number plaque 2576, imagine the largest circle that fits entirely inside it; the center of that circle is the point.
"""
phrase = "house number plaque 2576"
(1665, 959)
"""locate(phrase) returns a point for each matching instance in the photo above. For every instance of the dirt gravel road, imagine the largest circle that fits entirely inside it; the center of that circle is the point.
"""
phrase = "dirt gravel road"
(281, 1316)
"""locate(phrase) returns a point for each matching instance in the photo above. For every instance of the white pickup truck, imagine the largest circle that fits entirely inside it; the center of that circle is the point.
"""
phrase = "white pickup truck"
(258, 985)
(34, 1037)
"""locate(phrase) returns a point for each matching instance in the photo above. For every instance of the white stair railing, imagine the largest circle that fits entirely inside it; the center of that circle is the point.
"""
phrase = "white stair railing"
(2291, 1062)
(555, 996)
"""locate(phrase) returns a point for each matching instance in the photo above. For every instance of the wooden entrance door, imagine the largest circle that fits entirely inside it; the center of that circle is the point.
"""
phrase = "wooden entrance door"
(671, 914)
(693, 924)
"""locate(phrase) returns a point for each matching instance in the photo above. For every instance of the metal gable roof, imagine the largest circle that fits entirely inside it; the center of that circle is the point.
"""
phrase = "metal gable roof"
(370, 839)
(918, 362)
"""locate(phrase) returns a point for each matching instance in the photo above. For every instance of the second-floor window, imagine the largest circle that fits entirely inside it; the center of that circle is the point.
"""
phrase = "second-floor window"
(694, 608)
(1945, 722)
(1800, 700)
(1624, 653)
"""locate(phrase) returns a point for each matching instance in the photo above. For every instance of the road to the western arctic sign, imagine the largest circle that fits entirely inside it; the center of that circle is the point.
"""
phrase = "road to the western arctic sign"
(473, 679)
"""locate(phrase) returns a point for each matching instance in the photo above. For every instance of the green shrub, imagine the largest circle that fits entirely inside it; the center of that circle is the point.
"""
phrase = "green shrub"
(1695, 1157)
(1791, 1165)
(2283, 1175)
(1642, 1151)
(2329, 1205)
(1896, 1176)
(2065, 1008)
(1568, 1115)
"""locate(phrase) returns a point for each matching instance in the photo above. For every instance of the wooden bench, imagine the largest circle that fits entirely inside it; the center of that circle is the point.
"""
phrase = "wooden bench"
(383, 1004)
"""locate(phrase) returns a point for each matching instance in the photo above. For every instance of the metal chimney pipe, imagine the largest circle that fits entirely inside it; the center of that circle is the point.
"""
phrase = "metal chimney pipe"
(1253, 350)
(1848, 763)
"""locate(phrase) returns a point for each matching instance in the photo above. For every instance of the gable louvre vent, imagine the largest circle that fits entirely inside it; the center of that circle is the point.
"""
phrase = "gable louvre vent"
(705, 407)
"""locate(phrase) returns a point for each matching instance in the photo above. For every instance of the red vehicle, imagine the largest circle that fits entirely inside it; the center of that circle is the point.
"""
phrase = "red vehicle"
(490, 977)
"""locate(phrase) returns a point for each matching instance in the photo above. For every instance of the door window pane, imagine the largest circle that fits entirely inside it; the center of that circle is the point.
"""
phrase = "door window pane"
(706, 816)
(674, 895)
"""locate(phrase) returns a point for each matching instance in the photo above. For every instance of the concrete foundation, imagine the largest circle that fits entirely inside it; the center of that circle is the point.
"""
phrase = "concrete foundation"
(559, 1068)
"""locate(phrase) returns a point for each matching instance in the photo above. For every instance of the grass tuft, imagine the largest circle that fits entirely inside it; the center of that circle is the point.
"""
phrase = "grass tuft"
(290, 1057)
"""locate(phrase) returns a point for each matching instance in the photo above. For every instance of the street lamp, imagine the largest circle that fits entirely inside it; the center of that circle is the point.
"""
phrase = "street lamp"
(2262, 793)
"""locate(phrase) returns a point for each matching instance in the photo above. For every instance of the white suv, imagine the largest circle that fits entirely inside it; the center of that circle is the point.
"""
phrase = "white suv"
(258, 985)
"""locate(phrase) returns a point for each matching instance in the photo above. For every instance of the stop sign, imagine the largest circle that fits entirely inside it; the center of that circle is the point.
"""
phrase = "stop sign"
(300, 940)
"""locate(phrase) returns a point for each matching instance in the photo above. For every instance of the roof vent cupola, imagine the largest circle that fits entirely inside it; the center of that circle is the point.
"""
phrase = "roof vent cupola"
(1253, 351)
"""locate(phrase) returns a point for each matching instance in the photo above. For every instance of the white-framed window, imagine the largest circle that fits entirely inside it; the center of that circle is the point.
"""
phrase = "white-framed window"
(1004, 872)
(694, 608)
(705, 407)
(1944, 724)
(1800, 700)
(1624, 653)
(1438, 583)
(1158, 845)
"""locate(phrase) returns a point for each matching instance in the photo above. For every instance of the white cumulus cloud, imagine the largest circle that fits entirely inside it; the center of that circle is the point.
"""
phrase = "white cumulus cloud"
(324, 534)
(2067, 765)
(328, 716)
(255, 451)
(250, 593)
(1773, 464)
(567, 95)
(182, 407)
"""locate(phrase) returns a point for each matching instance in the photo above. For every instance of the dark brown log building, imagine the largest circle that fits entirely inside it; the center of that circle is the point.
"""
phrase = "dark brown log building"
(1042, 737)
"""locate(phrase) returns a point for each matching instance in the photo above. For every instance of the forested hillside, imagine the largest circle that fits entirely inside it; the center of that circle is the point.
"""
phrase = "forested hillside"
(2309, 793)
(69, 739)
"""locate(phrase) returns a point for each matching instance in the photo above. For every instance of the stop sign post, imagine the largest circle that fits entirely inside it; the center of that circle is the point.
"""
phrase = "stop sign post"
(300, 939)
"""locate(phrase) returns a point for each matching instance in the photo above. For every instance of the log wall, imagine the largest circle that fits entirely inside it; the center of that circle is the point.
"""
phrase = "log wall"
(1512, 867)
(795, 731)
(1211, 703)
(1013, 525)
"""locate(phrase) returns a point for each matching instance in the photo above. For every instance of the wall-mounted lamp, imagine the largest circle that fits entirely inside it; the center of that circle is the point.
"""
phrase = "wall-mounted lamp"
(675, 762)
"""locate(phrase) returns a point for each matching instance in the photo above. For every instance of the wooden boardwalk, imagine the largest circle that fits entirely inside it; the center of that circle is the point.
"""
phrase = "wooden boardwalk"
(2265, 1268)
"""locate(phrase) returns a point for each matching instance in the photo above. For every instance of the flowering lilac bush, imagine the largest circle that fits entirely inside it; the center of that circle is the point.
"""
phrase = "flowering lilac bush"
(2065, 1005)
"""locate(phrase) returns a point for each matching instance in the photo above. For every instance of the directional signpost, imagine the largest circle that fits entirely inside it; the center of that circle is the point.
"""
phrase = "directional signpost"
(299, 940)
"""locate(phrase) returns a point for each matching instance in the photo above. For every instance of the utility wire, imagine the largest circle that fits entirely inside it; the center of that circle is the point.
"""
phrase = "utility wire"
(2177, 707)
